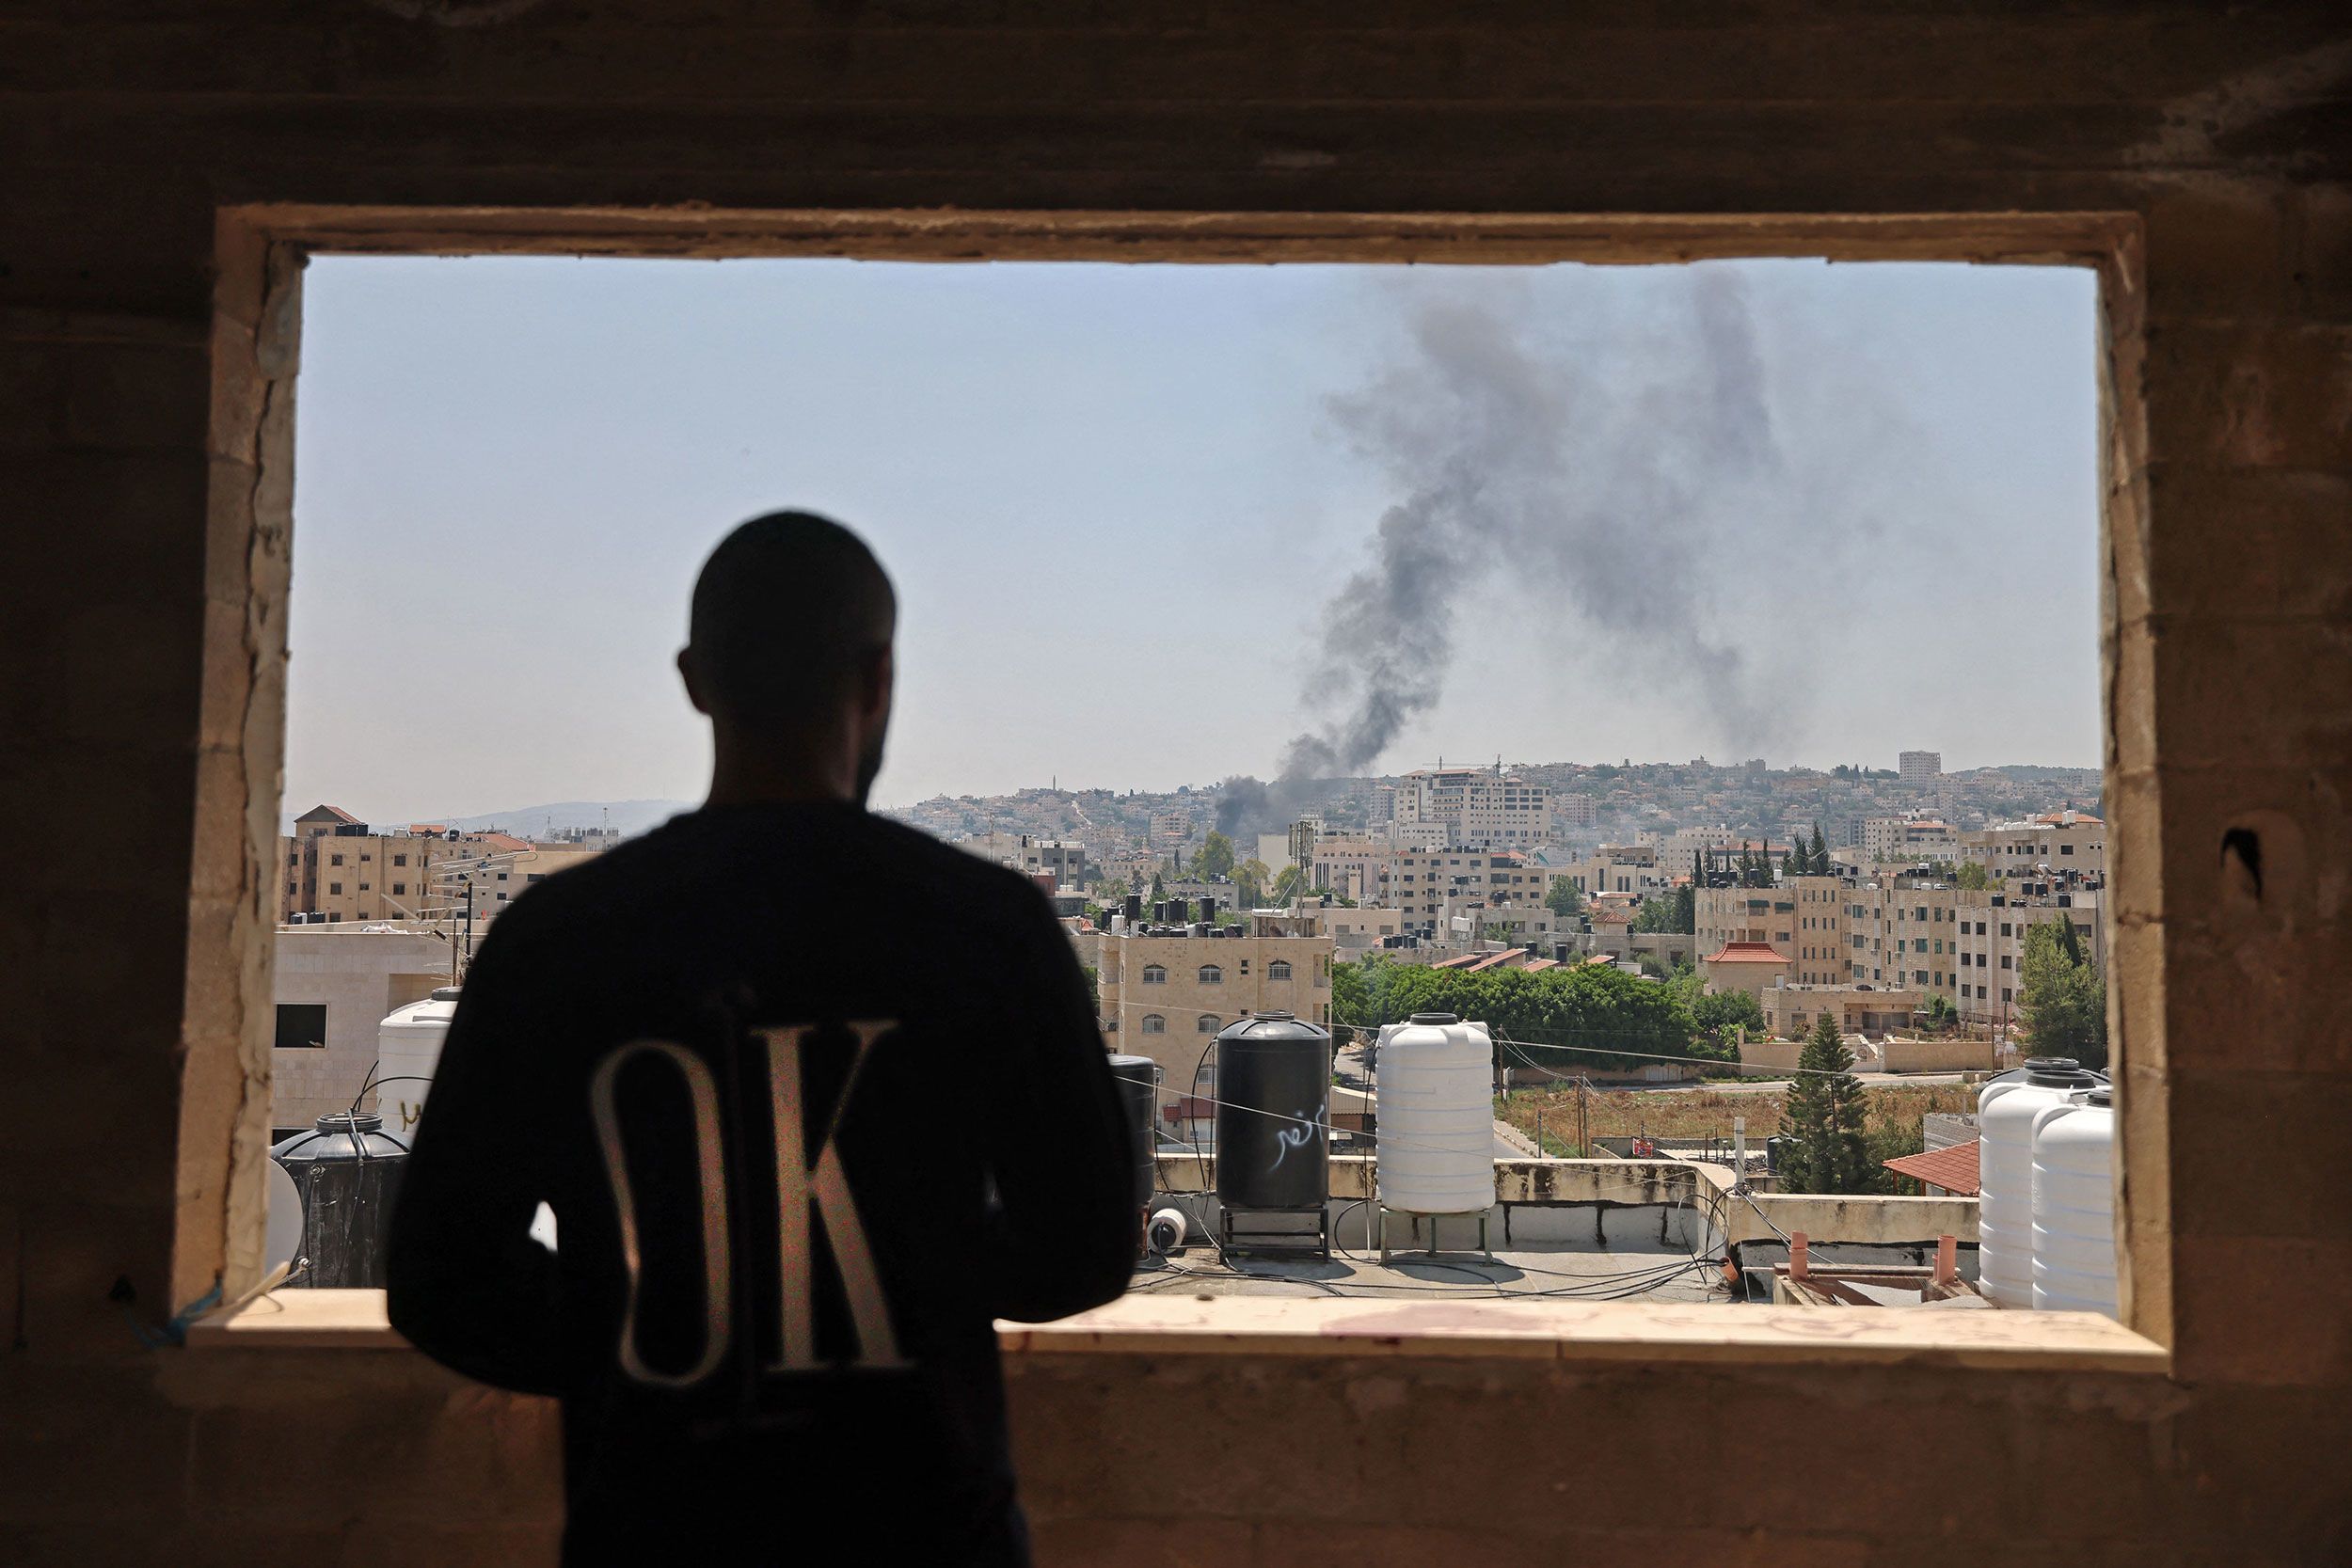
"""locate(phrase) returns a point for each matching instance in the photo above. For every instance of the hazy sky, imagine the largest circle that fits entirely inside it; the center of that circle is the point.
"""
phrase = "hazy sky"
(1116, 501)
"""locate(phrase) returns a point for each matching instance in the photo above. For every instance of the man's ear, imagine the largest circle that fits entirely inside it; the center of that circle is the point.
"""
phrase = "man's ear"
(881, 676)
(693, 688)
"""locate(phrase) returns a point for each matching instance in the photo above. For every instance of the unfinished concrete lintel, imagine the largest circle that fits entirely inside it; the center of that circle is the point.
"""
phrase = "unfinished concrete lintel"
(2082, 238)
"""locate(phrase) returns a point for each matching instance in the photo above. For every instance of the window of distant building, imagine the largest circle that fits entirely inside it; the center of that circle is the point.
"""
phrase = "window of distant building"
(1206, 1025)
(1278, 970)
(301, 1025)
(1154, 1024)
(335, 887)
(1212, 975)
(1154, 975)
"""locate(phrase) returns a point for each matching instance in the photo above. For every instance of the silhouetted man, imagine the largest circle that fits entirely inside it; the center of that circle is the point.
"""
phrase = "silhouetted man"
(814, 1098)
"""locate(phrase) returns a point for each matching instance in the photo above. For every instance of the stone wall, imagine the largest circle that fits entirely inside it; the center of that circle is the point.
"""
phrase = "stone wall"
(146, 417)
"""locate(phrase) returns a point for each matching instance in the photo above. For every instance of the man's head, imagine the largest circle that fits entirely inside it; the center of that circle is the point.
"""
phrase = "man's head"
(790, 648)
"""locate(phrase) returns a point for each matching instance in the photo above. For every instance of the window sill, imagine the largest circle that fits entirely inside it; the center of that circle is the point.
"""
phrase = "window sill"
(1542, 1331)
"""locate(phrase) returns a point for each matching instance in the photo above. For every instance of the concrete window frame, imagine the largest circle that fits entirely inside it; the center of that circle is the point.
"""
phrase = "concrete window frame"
(229, 1025)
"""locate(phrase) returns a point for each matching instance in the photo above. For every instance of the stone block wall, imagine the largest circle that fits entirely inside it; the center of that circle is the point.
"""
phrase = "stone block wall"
(147, 411)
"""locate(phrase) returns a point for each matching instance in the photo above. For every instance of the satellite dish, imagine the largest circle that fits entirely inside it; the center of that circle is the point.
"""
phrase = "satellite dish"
(282, 1243)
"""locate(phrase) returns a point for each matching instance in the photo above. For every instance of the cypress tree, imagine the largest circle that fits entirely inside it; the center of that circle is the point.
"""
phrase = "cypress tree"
(1823, 1147)
(1820, 852)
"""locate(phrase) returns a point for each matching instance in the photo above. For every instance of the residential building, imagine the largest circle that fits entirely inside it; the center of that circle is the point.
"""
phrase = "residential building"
(1754, 966)
(1791, 1009)
(333, 986)
(1919, 767)
(1166, 997)
(1065, 857)
(1911, 837)
(2059, 840)
(1991, 940)
(335, 867)
(1471, 808)
(1635, 869)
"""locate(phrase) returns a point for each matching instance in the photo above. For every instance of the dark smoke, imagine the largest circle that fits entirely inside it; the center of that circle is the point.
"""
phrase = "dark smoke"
(1602, 483)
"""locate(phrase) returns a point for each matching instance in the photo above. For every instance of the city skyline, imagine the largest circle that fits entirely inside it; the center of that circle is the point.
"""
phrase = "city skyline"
(1118, 502)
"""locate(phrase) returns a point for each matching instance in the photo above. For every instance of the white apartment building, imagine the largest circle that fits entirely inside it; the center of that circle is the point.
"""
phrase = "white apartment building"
(1913, 837)
(1471, 808)
(1992, 943)
(1919, 767)
(1635, 869)
(2061, 840)
(1066, 857)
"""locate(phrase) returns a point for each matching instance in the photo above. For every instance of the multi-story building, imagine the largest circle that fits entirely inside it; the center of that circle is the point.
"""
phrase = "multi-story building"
(1574, 810)
(1166, 997)
(335, 867)
(1635, 869)
(1911, 837)
(1992, 939)
(333, 986)
(1919, 767)
(1026, 852)
(2060, 840)
(1471, 808)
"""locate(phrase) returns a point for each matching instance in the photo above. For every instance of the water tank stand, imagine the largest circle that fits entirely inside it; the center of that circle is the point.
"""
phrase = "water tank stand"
(1381, 1212)
(1251, 1241)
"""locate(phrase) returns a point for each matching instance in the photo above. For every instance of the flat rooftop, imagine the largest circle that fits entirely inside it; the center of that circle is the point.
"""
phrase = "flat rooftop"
(1645, 1271)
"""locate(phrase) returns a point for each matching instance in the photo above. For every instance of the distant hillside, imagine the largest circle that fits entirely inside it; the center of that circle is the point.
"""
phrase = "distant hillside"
(628, 816)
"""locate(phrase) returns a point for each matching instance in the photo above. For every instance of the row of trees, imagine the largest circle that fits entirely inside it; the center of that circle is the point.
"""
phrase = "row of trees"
(1580, 1016)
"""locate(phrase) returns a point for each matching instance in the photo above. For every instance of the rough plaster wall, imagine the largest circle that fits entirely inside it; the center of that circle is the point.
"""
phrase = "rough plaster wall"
(140, 709)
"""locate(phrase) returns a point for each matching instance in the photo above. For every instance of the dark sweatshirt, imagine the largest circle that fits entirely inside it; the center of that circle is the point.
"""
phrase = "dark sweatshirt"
(814, 1098)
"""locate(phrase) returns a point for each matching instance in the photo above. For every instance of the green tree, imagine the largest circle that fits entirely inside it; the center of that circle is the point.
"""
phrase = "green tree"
(1823, 1147)
(1563, 899)
(1110, 890)
(2063, 999)
(1718, 1014)
(1289, 883)
(1972, 877)
(1819, 855)
(1655, 914)
(1687, 910)
(1159, 887)
(1250, 879)
(1938, 1013)
(1216, 858)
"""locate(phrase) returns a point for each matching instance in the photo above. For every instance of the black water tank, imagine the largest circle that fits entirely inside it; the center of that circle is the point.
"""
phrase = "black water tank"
(1138, 1090)
(1273, 1095)
(1135, 908)
(348, 1170)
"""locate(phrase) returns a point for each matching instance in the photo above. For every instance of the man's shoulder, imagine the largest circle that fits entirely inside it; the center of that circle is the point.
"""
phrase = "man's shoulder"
(946, 870)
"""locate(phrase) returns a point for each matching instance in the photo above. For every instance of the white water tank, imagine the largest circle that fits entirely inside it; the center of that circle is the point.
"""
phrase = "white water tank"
(1435, 1097)
(2073, 1205)
(407, 1048)
(2005, 1111)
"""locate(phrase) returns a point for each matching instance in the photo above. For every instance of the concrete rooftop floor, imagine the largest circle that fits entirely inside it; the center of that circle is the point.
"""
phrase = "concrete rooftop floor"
(1647, 1272)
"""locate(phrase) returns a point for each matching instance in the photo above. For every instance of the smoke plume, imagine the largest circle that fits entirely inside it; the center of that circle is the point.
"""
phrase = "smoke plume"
(1605, 473)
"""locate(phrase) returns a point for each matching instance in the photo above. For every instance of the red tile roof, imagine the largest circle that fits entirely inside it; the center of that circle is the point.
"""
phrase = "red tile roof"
(1953, 1169)
(1533, 965)
(336, 812)
(1493, 961)
(1748, 952)
(503, 841)
(1465, 960)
